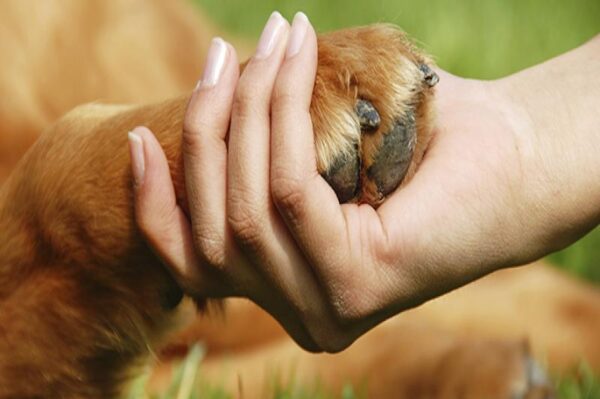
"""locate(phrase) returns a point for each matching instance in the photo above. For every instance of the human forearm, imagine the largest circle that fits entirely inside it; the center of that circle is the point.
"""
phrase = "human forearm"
(555, 113)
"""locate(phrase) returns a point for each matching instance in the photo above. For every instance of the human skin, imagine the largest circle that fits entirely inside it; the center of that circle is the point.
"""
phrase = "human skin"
(512, 174)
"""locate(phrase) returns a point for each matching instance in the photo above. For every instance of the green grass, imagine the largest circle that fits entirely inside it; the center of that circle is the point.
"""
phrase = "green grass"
(581, 385)
(187, 383)
(474, 38)
(482, 39)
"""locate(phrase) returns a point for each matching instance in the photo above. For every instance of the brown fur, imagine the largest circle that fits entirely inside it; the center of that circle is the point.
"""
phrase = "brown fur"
(82, 298)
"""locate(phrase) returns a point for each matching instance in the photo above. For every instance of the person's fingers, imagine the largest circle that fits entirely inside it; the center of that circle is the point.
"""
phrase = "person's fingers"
(205, 156)
(260, 227)
(254, 222)
(301, 195)
(160, 219)
(338, 241)
(248, 161)
(205, 153)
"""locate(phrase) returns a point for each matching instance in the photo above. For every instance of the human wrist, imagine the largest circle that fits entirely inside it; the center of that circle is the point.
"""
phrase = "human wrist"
(551, 107)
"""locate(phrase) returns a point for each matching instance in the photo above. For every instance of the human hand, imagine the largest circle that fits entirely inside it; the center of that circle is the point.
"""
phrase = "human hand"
(210, 261)
(275, 232)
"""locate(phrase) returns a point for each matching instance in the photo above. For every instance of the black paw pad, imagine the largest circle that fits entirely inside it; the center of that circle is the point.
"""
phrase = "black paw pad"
(393, 159)
(344, 175)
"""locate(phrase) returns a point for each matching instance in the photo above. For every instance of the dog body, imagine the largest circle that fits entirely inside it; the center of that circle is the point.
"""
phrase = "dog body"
(82, 298)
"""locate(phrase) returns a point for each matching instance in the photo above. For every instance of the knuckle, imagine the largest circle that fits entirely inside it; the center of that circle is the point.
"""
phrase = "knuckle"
(191, 142)
(346, 312)
(282, 97)
(241, 99)
(248, 99)
(194, 139)
(351, 304)
(243, 111)
(286, 192)
(245, 222)
(212, 256)
(245, 228)
(196, 125)
(210, 247)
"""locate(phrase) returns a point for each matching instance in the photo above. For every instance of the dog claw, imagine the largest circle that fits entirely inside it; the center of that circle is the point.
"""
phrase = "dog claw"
(367, 115)
(429, 76)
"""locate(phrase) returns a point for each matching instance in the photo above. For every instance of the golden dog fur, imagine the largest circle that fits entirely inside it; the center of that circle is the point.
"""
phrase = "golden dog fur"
(82, 298)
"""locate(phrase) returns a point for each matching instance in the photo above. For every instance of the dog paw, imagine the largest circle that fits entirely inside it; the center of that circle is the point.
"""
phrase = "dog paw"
(371, 111)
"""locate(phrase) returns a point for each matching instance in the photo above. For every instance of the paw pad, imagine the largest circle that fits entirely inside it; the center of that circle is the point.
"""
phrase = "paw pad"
(349, 175)
(391, 162)
(371, 111)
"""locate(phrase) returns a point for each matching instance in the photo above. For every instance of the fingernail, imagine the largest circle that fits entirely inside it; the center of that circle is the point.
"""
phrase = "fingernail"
(297, 34)
(136, 150)
(215, 62)
(270, 36)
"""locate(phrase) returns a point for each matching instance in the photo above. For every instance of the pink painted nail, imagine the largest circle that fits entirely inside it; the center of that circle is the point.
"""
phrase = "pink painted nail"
(215, 63)
(297, 35)
(270, 36)
(136, 150)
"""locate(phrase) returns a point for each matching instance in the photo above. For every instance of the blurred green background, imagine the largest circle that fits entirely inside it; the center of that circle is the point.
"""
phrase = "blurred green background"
(483, 39)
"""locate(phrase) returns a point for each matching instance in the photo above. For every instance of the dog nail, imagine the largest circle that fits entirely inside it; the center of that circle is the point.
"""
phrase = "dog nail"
(367, 115)
(429, 76)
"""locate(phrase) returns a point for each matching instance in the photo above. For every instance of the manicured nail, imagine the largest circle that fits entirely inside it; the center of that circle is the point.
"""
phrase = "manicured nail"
(136, 150)
(270, 36)
(297, 35)
(215, 63)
